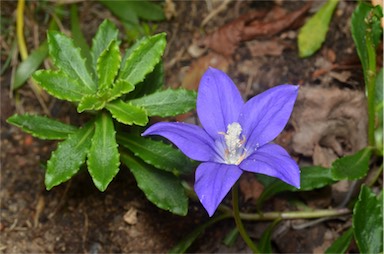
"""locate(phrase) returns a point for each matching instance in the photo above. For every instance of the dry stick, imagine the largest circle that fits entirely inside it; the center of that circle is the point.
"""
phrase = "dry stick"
(216, 11)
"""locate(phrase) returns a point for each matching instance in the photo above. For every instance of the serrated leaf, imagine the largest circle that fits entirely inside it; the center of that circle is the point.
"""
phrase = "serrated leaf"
(29, 65)
(342, 243)
(68, 59)
(41, 126)
(108, 65)
(308, 40)
(311, 178)
(158, 154)
(90, 102)
(127, 113)
(120, 88)
(167, 102)
(70, 154)
(161, 188)
(153, 82)
(103, 157)
(367, 221)
(106, 33)
(264, 244)
(143, 59)
(60, 85)
(352, 167)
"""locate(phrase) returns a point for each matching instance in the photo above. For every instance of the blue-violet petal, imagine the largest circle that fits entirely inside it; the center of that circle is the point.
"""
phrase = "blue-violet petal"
(264, 116)
(273, 160)
(218, 102)
(212, 183)
(192, 140)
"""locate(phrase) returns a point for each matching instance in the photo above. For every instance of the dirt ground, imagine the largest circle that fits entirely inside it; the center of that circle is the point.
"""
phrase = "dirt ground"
(76, 218)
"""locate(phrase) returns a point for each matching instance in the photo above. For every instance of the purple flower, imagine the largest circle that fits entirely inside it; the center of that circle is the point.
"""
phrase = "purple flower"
(235, 136)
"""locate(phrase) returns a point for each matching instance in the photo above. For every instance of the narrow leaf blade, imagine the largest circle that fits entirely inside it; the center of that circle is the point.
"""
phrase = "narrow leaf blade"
(160, 187)
(367, 221)
(127, 113)
(70, 154)
(143, 59)
(167, 102)
(352, 167)
(41, 126)
(60, 85)
(342, 243)
(308, 40)
(103, 157)
(157, 153)
(106, 33)
(108, 65)
(120, 88)
(90, 102)
(29, 65)
(68, 58)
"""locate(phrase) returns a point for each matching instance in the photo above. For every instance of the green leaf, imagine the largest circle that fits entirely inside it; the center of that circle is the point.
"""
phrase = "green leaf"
(265, 240)
(143, 59)
(362, 20)
(120, 88)
(352, 167)
(106, 33)
(91, 102)
(146, 10)
(161, 188)
(41, 126)
(70, 154)
(367, 221)
(122, 10)
(153, 82)
(127, 113)
(68, 58)
(60, 85)
(314, 32)
(78, 37)
(158, 154)
(108, 65)
(103, 157)
(167, 102)
(311, 178)
(342, 243)
(29, 65)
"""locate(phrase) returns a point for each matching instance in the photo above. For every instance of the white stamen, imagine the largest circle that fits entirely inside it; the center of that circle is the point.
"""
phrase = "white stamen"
(235, 152)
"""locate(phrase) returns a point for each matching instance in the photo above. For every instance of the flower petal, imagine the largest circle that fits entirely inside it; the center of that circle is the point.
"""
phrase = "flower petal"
(273, 160)
(192, 140)
(212, 183)
(264, 116)
(218, 102)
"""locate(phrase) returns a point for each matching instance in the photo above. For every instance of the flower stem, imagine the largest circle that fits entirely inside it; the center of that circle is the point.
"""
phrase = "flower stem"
(239, 223)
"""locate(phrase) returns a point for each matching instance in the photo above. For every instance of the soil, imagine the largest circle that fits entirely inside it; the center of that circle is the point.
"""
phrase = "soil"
(76, 218)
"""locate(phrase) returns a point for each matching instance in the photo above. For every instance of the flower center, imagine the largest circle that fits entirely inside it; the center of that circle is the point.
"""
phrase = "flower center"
(235, 151)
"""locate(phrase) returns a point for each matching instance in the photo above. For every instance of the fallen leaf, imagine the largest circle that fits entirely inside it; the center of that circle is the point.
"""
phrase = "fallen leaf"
(250, 187)
(329, 123)
(250, 26)
(192, 78)
(266, 48)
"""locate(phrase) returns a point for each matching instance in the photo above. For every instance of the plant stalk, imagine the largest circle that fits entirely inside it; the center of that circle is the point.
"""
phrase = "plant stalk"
(239, 223)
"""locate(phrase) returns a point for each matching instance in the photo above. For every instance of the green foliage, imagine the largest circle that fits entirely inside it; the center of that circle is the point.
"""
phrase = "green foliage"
(103, 84)
(158, 154)
(265, 245)
(342, 243)
(160, 187)
(367, 221)
(352, 167)
(167, 102)
(41, 126)
(29, 65)
(313, 33)
(70, 154)
(103, 156)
